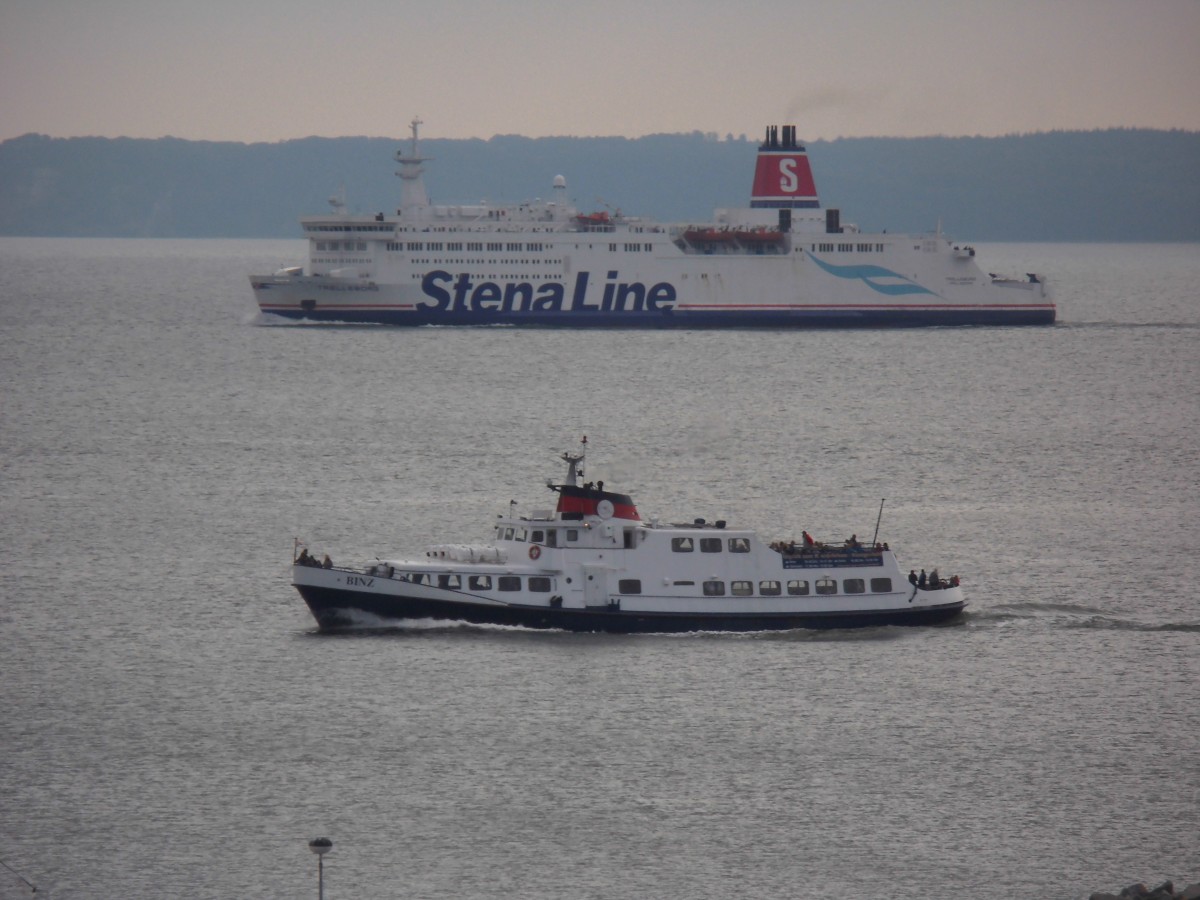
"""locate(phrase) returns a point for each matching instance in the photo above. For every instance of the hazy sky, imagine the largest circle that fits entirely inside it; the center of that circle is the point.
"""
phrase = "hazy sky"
(267, 70)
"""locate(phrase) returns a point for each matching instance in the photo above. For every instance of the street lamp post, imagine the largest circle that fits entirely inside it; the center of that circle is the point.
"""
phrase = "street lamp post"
(320, 846)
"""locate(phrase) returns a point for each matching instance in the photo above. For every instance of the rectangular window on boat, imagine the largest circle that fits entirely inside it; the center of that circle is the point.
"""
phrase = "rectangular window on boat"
(519, 534)
(572, 534)
(739, 545)
(539, 584)
(508, 583)
(480, 582)
(742, 588)
(854, 586)
(629, 586)
(798, 588)
(537, 536)
(552, 538)
(714, 589)
(682, 545)
(826, 586)
(710, 545)
(769, 588)
(881, 585)
(449, 581)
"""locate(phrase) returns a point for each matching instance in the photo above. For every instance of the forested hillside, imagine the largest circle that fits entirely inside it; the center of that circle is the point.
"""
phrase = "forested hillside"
(1110, 185)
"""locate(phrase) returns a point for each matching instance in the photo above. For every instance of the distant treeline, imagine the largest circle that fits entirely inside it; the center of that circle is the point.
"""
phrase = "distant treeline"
(1108, 185)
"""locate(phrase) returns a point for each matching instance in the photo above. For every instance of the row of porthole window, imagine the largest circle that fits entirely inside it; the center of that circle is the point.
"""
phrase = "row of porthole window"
(709, 545)
(798, 587)
(538, 584)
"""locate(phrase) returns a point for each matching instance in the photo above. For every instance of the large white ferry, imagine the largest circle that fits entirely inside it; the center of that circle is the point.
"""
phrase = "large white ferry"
(593, 564)
(784, 261)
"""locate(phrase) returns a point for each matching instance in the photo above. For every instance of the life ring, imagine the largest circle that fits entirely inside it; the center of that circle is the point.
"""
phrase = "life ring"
(535, 551)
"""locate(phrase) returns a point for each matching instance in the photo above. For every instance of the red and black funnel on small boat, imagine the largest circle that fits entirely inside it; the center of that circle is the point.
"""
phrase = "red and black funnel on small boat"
(577, 501)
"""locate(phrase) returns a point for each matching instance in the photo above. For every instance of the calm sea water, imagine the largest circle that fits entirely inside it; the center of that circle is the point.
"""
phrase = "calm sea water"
(174, 727)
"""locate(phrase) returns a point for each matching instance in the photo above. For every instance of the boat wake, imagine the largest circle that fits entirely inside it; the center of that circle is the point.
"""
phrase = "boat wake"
(1070, 616)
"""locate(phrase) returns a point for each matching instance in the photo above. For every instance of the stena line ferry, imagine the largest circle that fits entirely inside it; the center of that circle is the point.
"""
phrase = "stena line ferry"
(783, 261)
(593, 564)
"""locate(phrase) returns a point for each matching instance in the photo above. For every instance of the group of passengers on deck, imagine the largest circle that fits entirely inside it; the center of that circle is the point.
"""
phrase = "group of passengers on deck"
(809, 545)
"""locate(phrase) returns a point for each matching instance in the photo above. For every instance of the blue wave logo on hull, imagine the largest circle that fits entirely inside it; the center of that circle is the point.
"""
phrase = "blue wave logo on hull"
(897, 287)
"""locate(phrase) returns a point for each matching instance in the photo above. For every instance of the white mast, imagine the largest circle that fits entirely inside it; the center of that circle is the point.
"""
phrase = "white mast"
(412, 186)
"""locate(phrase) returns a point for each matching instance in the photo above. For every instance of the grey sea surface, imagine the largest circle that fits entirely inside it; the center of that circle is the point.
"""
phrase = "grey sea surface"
(174, 726)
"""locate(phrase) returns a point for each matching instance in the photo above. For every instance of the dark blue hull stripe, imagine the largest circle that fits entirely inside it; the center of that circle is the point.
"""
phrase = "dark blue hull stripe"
(334, 608)
(807, 318)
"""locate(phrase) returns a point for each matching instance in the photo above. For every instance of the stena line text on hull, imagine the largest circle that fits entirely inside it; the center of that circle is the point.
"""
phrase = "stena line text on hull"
(784, 261)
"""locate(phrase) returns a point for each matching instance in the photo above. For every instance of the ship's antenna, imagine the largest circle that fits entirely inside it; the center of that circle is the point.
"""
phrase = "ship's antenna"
(574, 463)
(878, 519)
(412, 187)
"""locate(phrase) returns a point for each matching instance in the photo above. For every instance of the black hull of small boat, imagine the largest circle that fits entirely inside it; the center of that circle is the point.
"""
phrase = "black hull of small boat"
(335, 609)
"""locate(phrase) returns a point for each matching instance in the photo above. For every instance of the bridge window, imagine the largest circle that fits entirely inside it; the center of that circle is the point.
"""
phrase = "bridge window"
(710, 545)
(739, 545)
(769, 588)
(539, 584)
(629, 586)
(682, 545)
(826, 586)
(881, 585)
(449, 581)
(480, 582)
(714, 589)
(537, 537)
(742, 588)
(572, 534)
(509, 583)
(798, 588)
(854, 586)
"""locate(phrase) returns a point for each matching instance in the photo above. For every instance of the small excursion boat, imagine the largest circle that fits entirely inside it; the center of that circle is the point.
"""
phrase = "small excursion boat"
(593, 564)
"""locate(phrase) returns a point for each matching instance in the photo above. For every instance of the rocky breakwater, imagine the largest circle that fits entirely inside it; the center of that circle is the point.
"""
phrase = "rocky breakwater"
(1164, 891)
